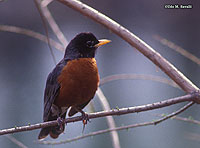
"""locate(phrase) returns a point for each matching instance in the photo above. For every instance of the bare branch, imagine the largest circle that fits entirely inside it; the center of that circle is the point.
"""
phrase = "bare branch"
(119, 128)
(175, 113)
(122, 111)
(45, 3)
(15, 141)
(193, 136)
(134, 41)
(177, 48)
(96, 133)
(54, 26)
(110, 120)
(31, 33)
(45, 28)
(189, 119)
(186, 120)
(137, 76)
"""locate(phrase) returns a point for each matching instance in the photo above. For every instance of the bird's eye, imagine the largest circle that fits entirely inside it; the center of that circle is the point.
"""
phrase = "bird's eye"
(90, 43)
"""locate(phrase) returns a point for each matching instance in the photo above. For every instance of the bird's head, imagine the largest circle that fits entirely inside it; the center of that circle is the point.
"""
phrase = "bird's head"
(83, 45)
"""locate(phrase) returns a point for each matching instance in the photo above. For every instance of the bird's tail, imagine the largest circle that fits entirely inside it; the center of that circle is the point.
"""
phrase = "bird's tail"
(53, 131)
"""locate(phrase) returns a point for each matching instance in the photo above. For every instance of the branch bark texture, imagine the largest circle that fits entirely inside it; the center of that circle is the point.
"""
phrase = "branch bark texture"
(122, 111)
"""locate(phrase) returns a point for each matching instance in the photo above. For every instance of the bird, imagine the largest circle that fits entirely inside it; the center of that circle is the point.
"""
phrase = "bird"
(72, 84)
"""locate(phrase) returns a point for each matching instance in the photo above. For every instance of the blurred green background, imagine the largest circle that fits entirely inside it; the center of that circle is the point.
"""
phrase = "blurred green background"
(25, 63)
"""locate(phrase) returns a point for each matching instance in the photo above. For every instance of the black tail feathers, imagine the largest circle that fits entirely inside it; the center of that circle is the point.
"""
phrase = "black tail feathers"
(53, 131)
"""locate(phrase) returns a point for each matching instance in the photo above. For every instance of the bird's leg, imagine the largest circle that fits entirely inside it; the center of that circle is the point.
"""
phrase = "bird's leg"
(85, 117)
(60, 121)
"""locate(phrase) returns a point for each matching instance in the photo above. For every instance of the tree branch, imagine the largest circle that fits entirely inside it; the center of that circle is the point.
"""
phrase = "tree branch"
(37, 4)
(110, 120)
(15, 141)
(175, 113)
(177, 48)
(187, 120)
(52, 23)
(45, 3)
(137, 76)
(134, 41)
(32, 34)
(189, 97)
(145, 49)
(119, 128)
(97, 133)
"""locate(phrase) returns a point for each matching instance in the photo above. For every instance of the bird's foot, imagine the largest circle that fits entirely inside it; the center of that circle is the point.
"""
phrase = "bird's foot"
(60, 121)
(85, 119)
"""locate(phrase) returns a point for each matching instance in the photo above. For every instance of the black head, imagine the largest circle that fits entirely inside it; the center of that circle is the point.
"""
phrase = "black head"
(83, 45)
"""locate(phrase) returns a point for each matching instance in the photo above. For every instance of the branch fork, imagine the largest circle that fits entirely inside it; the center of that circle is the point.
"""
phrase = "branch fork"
(196, 97)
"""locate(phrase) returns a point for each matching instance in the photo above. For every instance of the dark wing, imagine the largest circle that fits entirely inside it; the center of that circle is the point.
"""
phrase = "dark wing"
(52, 88)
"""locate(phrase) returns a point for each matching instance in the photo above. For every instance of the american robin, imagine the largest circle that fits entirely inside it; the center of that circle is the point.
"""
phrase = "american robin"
(72, 83)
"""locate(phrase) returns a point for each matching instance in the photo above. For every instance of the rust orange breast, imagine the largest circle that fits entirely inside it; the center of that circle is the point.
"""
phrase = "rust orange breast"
(79, 80)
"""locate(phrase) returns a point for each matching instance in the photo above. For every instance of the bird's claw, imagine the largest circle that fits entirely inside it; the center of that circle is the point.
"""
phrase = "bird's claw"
(60, 121)
(85, 119)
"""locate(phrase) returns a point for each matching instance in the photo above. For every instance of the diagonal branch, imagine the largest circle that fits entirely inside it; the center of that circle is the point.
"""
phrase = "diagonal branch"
(187, 120)
(175, 113)
(177, 48)
(45, 28)
(17, 142)
(52, 23)
(45, 3)
(134, 41)
(122, 111)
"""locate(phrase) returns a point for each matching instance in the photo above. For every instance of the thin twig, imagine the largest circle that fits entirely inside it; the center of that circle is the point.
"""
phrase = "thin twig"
(15, 141)
(193, 136)
(110, 120)
(54, 26)
(97, 133)
(119, 128)
(32, 34)
(134, 41)
(177, 48)
(137, 76)
(186, 120)
(46, 29)
(122, 111)
(175, 113)
(182, 119)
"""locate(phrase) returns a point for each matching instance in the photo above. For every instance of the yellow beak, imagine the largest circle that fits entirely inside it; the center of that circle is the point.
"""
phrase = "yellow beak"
(102, 42)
